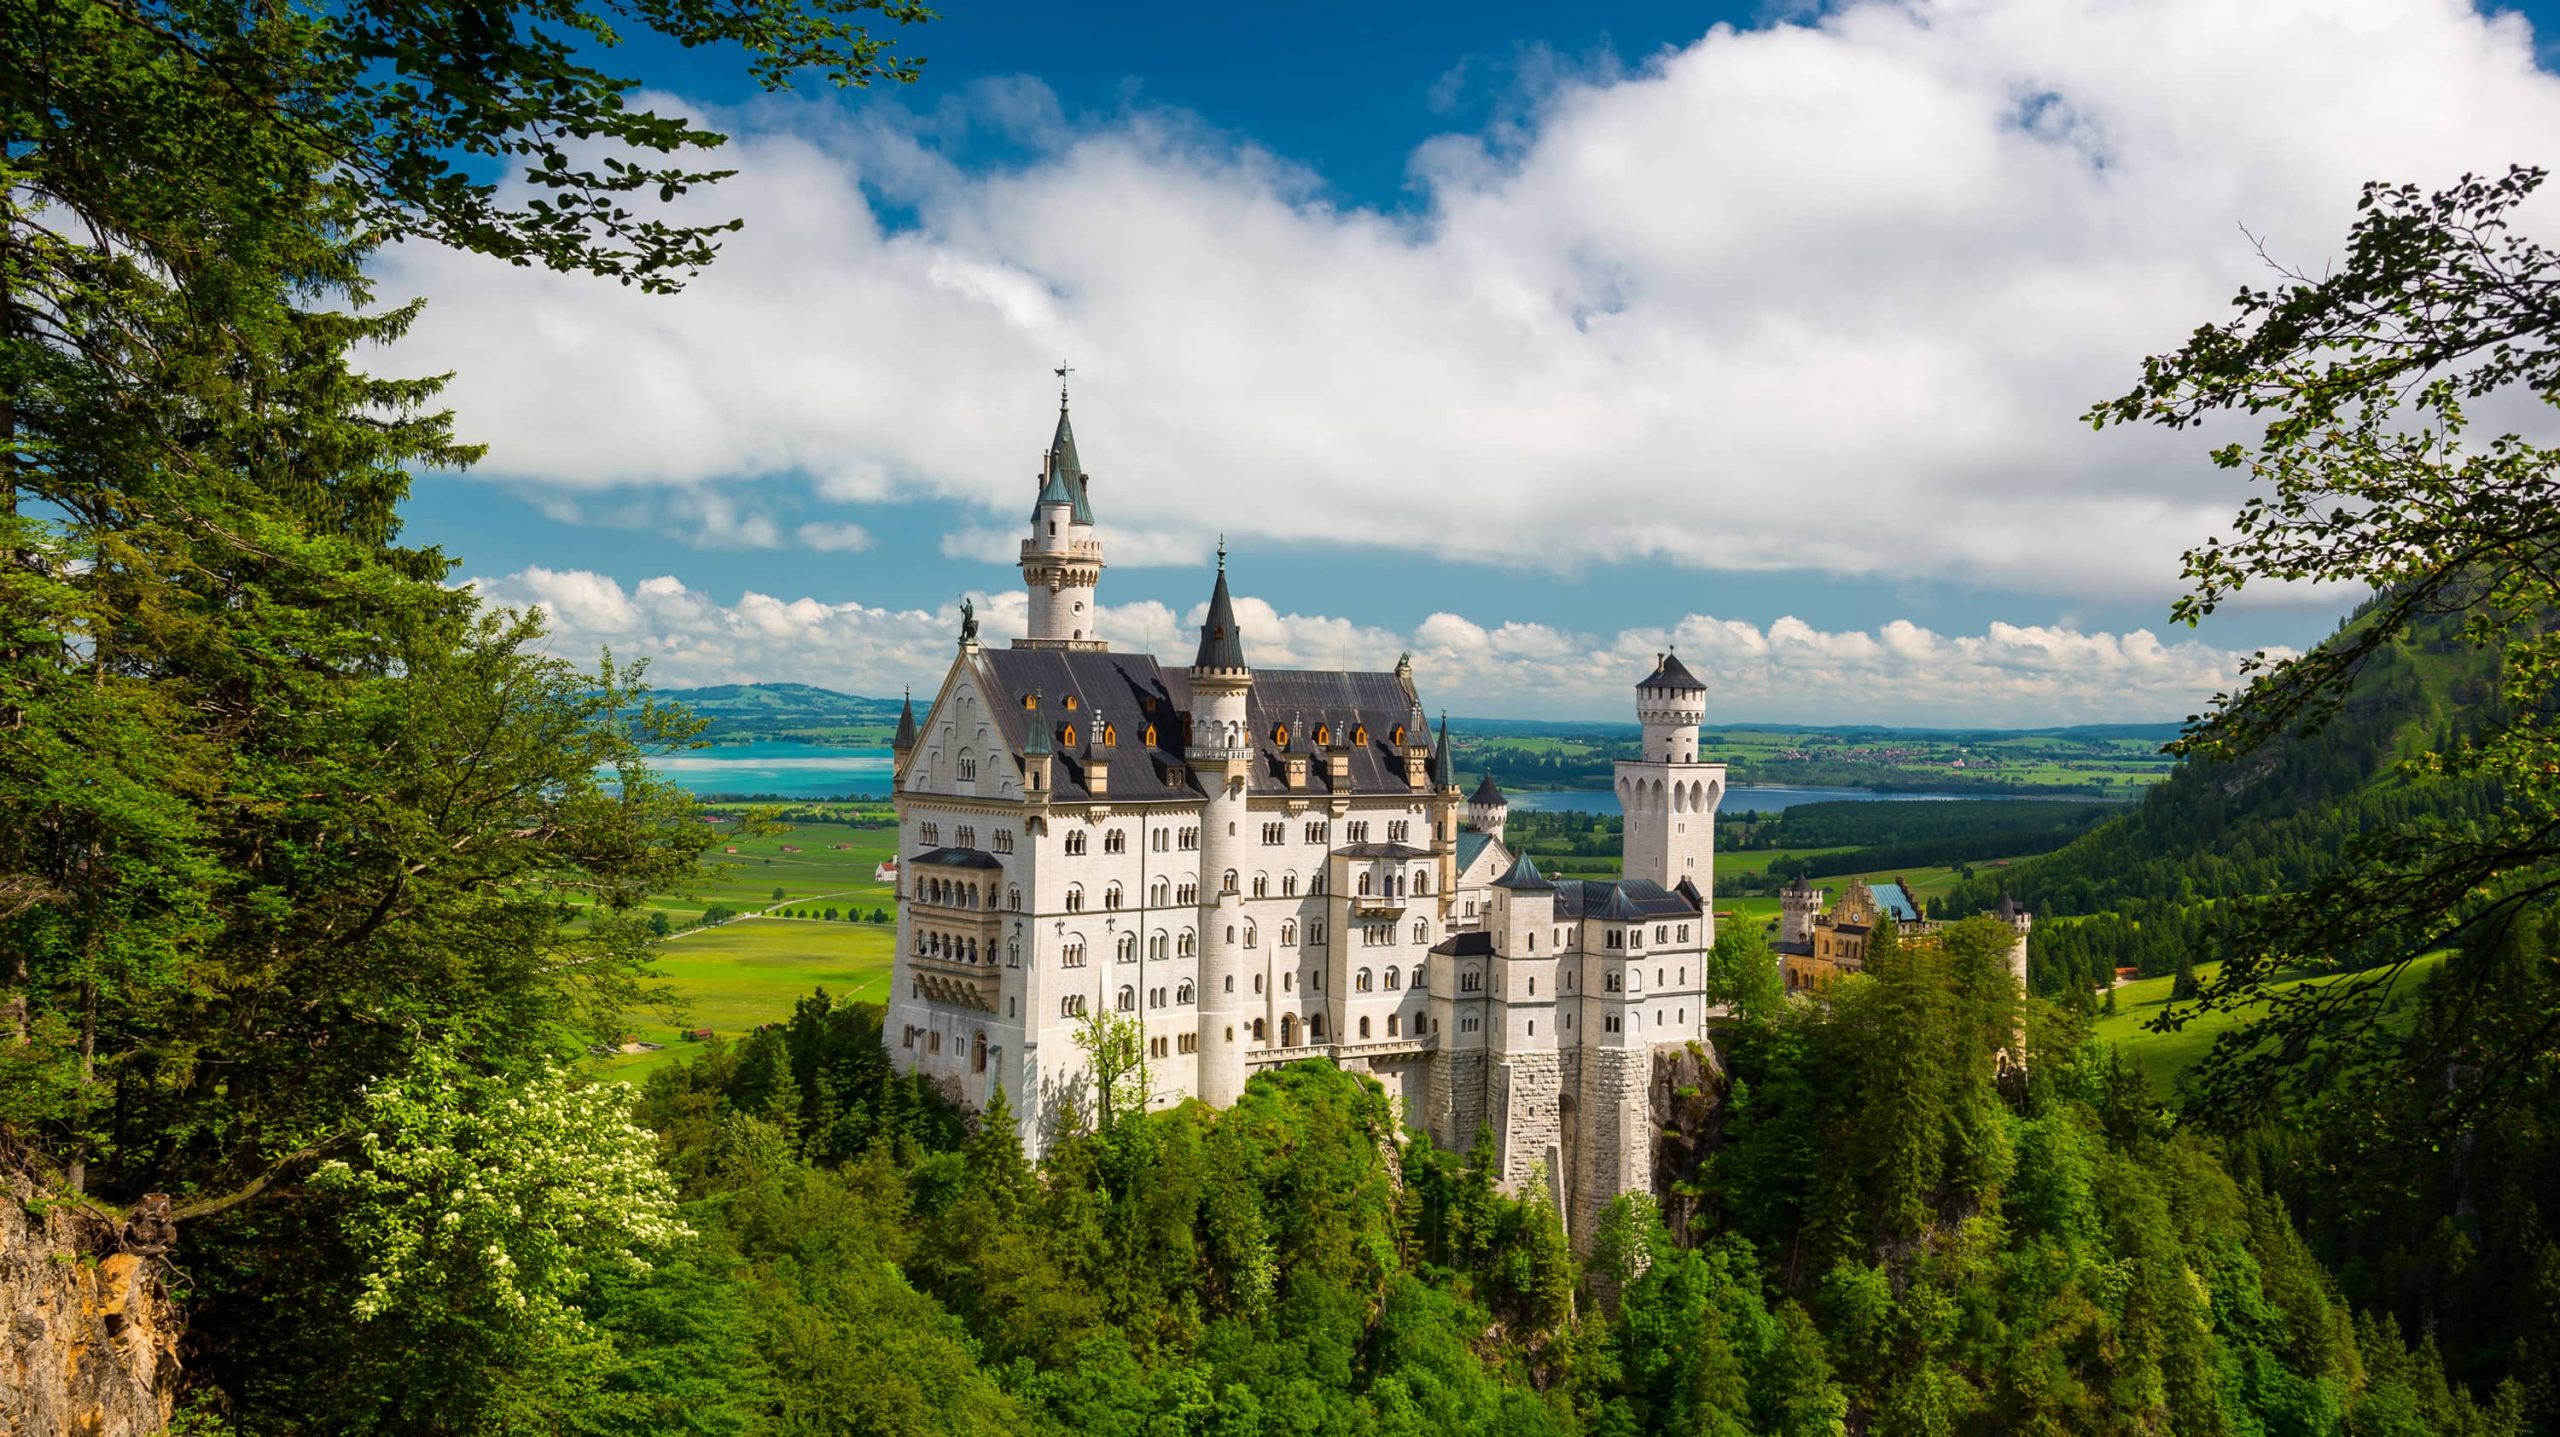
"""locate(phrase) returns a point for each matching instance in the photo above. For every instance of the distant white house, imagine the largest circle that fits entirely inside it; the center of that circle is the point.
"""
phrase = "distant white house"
(886, 872)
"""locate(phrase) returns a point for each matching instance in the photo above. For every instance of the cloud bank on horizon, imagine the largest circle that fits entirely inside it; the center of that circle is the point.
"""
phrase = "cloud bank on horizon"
(1825, 296)
(2008, 676)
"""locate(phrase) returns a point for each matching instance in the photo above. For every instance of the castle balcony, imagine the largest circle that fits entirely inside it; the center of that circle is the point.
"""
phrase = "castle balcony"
(1375, 907)
(956, 982)
(1086, 550)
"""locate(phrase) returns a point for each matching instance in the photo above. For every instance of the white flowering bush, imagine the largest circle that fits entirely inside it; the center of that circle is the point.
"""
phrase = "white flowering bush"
(488, 1201)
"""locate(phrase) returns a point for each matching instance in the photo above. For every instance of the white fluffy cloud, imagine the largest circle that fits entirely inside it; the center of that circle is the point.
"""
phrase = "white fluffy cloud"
(2007, 676)
(1828, 295)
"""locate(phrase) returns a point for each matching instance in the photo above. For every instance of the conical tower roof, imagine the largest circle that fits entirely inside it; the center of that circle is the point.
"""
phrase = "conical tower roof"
(1221, 643)
(1062, 478)
(906, 737)
(1489, 794)
(1672, 674)
(1442, 775)
(1523, 874)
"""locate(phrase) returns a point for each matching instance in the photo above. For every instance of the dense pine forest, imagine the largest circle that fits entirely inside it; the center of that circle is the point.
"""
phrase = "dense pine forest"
(1880, 1232)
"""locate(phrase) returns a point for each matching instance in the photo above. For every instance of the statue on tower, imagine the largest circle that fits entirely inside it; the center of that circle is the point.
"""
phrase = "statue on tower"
(968, 622)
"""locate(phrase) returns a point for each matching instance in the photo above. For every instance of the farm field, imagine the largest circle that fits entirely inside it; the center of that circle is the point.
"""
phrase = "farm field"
(2166, 1057)
(752, 969)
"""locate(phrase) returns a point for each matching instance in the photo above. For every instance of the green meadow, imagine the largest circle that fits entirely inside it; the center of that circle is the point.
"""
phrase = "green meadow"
(732, 976)
(2166, 1057)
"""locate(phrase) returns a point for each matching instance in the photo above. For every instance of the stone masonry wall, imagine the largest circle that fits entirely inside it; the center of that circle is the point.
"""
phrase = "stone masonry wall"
(1525, 1123)
(1616, 1134)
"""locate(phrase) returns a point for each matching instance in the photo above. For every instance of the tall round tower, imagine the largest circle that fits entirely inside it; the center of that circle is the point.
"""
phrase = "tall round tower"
(1671, 703)
(1221, 754)
(1062, 560)
(1668, 796)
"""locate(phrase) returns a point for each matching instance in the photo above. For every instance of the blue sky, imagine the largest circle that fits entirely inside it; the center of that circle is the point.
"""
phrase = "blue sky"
(1526, 338)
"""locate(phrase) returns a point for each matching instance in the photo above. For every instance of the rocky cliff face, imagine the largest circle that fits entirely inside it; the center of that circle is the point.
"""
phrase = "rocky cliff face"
(88, 1334)
(1687, 1105)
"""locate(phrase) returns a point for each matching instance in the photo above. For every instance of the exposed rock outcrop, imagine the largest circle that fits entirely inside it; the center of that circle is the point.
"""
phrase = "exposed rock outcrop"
(88, 1333)
(1687, 1098)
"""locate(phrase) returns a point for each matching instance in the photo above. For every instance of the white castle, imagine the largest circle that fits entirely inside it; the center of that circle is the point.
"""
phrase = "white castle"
(1259, 866)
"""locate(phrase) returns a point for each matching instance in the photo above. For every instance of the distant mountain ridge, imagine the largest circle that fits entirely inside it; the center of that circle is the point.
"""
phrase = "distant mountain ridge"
(743, 713)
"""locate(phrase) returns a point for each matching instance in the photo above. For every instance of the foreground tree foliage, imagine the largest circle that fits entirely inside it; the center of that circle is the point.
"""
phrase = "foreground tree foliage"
(2365, 376)
(1888, 1241)
(284, 820)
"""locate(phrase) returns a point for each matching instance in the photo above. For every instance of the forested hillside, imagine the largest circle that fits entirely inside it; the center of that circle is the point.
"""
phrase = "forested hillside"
(2269, 822)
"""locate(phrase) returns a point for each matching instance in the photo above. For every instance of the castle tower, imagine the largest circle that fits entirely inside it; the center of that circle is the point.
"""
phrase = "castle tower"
(1487, 809)
(903, 746)
(1798, 906)
(1221, 754)
(2020, 921)
(1524, 1079)
(1668, 796)
(1062, 560)
(1444, 821)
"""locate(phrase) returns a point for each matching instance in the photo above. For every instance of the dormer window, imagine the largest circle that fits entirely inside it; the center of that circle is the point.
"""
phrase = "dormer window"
(1398, 739)
(1324, 733)
(1151, 735)
(1071, 703)
(1110, 736)
(1359, 735)
(1280, 735)
(1030, 702)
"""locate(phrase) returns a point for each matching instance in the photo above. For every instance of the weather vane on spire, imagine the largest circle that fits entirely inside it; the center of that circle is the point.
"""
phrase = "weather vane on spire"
(1222, 553)
(1062, 371)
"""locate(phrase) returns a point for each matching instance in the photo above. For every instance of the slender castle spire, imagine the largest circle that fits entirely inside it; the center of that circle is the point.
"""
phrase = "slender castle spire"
(1221, 643)
(1062, 559)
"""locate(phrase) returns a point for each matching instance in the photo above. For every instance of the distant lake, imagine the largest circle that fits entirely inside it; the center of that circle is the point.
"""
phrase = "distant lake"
(1736, 799)
(786, 770)
(810, 770)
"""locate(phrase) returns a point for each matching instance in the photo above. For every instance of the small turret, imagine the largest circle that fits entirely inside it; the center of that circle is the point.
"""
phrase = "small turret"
(1798, 906)
(1487, 809)
(903, 746)
(1038, 749)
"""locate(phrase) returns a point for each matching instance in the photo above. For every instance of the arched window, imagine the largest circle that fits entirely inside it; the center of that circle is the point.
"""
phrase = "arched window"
(1075, 898)
(1289, 933)
(1361, 980)
(1261, 885)
(1182, 992)
(1159, 894)
(1393, 1022)
(1111, 896)
(978, 1054)
(1315, 1027)
(1252, 936)
(1364, 885)
(1288, 885)
(1128, 998)
(1258, 1030)
(1187, 945)
(1422, 931)
(1013, 897)
(1392, 984)
(1288, 1030)
(1421, 883)
(1126, 950)
(1227, 882)
(1364, 1027)
(1257, 982)
(1076, 841)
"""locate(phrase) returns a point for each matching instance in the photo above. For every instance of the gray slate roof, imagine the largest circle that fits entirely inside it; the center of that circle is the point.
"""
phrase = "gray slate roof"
(1672, 675)
(1221, 642)
(1629, 900)
(1524, 876)
(1488, 792)
(1474, 943)
(1131, 691)
(1470, 843)
(958, 858)
(906, 735)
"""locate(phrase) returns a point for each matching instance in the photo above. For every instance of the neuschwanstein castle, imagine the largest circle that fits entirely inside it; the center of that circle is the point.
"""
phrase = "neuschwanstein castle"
(1264, 865)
